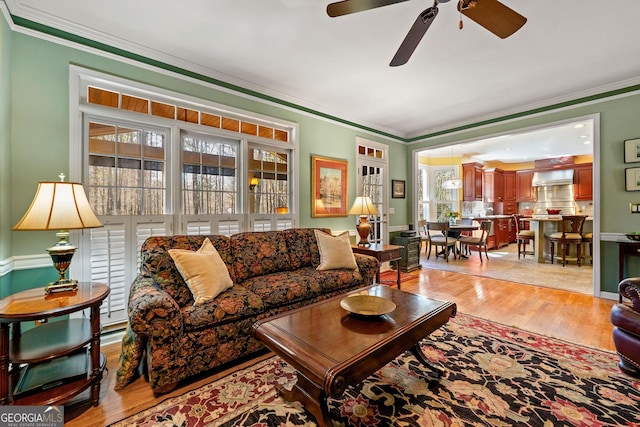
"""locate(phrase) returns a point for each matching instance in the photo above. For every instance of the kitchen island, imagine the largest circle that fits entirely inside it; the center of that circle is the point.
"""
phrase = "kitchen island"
(542, 224)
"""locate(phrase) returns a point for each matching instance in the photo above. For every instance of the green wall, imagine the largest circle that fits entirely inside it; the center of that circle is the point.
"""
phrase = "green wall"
(38, 145)
(5, 138)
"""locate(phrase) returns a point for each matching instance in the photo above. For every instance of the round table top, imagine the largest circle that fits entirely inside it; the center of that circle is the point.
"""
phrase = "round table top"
(34, 304)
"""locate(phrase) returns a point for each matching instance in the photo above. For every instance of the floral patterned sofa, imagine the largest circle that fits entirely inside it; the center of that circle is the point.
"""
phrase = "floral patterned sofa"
(169, 338)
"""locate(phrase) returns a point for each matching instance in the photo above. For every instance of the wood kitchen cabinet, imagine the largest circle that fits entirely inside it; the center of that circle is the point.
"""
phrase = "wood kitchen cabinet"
(524, 189)
(472, 182)
(493, 190)
(583, 181)
(502, 230)
(509, 207)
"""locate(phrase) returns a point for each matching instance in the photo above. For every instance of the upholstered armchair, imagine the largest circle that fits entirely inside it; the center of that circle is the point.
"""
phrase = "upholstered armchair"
(625, 317)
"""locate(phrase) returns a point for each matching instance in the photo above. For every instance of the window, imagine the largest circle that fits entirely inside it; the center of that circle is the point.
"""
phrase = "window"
(126, 170)
(268, 181)
(209, 175)
(160, 163)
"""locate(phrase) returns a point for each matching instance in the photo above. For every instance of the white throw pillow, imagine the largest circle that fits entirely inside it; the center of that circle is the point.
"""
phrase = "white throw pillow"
(204, 271)
(335, 252)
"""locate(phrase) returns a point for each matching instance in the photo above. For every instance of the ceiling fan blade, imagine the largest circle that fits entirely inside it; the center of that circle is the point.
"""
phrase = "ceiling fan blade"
(346, 7)
(413, 37)
(493, 15)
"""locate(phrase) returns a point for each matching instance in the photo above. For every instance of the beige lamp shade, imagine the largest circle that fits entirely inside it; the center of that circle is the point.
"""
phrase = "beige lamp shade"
(59, 206)
(363, 206)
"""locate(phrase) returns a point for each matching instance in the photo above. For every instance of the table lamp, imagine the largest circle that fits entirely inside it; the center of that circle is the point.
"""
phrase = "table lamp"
(363, 207)
(59, 206)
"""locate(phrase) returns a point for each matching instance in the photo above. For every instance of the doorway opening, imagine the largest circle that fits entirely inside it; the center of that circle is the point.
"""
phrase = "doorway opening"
(496, 161)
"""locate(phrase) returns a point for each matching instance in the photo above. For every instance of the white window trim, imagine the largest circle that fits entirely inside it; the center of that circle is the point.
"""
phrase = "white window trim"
(80, 78)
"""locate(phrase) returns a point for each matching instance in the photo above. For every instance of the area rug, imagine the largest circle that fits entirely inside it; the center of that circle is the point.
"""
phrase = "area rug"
(494, 375)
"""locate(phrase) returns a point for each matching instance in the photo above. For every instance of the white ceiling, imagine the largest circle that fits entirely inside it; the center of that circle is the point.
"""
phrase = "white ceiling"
(567, 139)
(292, 50)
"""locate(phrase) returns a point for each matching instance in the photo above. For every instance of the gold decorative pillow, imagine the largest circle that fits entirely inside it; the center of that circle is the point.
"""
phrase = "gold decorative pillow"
(204, 271)
(335, 252)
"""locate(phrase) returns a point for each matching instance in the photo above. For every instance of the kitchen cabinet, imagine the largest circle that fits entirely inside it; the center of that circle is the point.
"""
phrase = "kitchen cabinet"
(524, 189)
(502, 230)
(510, 186)
(509, 206)
(583, 181)
(472, 182)
(493, 190)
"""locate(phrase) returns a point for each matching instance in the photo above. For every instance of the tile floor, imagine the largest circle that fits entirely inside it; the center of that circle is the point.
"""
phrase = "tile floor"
(504, 264)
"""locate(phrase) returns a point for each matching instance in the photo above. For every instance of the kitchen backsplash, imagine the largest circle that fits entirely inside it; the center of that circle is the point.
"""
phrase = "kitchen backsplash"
(479, 209)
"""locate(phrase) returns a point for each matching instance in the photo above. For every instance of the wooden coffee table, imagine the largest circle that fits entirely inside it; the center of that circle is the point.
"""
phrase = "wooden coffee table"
(332, 349)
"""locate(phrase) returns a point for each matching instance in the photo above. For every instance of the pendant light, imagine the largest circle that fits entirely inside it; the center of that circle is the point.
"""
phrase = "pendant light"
(452, 184)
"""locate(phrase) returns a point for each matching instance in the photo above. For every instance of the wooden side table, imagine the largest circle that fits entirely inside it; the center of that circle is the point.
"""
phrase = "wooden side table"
(27, 360)
(382, 253)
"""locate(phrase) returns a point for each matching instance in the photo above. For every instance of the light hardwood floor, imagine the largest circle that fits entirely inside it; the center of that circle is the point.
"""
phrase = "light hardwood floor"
(573, 317)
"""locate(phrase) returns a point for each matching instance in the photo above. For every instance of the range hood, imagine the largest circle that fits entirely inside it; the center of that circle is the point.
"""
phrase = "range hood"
(555, 177)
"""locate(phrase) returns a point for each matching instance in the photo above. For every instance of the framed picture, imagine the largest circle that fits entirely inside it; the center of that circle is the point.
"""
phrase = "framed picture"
(328, 187)
(632, 150)
(397, 189)
(632, 179)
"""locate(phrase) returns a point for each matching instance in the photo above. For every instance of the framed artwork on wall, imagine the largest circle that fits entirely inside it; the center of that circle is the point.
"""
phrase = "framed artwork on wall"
(328, 187)
(632, 150)
(632, 179)
(397, 189)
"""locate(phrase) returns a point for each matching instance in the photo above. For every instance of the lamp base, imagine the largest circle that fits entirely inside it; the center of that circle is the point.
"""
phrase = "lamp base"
(364, 228)
(61, 286)
(61, 255)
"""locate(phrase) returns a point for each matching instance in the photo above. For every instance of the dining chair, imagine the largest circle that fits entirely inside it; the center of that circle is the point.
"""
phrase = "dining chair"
(440, 239)
(422, 232)
(523, 238)
(587, 238)
(571, 233)
(479, 240)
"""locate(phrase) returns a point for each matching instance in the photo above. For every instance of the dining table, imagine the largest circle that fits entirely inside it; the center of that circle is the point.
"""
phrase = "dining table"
(456, 230)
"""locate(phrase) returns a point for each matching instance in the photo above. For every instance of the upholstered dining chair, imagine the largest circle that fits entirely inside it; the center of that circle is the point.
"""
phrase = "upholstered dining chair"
(587, 238)
(441, 239)
(523, 238)
(571, 233)
(479, 240)
(422, 232)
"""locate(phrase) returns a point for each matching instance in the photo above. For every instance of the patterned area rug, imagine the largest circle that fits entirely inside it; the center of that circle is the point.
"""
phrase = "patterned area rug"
(495, 375)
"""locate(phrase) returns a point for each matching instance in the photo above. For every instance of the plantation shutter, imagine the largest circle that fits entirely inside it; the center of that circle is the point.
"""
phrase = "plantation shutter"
(115, 257)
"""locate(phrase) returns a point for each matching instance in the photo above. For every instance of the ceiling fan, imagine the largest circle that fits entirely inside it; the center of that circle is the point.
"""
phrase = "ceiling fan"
(490, 14)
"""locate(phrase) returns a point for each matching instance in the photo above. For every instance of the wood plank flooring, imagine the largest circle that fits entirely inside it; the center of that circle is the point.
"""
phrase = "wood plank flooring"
(573, 317)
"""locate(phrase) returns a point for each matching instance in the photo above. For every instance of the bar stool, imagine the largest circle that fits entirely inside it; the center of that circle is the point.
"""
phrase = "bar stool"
(588, 238)
(571, 234)
(523, 237)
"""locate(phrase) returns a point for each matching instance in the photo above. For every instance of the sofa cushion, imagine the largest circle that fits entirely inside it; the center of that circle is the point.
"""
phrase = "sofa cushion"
(155, 262)
(302, 247)
(258, 253)
(335, 252)
(204, 271)
(288, 287)
(282, 288)
(231, 305)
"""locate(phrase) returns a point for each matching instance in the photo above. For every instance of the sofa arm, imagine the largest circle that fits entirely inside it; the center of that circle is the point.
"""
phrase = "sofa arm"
(626, 318)
(152, 311)
(630, 289)
(368, 267)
